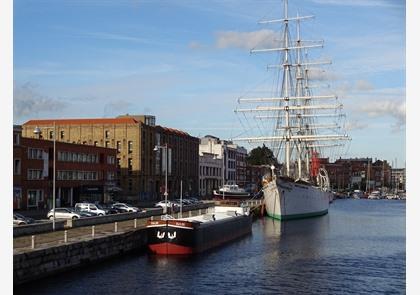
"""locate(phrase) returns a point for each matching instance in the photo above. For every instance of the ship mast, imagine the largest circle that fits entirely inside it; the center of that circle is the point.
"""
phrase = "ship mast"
(285, 89)
(293, 108)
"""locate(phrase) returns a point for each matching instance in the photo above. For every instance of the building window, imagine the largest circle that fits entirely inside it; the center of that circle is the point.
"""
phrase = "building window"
(61, 134)
(51, 134)
(16, 167)
(95, 143)
(34, 196)
(110, 175)
(130, 147)
(130, 165)
(106, 134)
(34, 174)
(34, 154)
(16, 138)
(119, 146)
(110, 160)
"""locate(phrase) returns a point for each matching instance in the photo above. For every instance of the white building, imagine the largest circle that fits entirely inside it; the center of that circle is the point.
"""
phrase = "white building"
(231, 156)
(398, 178)
(210, 173)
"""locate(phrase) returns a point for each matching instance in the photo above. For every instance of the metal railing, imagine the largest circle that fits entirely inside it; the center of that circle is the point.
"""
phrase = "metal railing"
(27, 243)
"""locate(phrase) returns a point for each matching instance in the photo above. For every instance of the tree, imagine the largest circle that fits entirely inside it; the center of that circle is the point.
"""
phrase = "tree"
(261, 156)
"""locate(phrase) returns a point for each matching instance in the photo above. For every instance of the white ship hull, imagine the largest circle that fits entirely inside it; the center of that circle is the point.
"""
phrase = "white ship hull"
(290, 200)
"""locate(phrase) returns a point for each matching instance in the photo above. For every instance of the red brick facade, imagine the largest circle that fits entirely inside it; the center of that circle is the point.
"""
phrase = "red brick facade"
(82, 173)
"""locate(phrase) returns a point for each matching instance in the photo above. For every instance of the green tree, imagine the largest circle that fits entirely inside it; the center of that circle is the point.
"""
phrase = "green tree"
(261, 156)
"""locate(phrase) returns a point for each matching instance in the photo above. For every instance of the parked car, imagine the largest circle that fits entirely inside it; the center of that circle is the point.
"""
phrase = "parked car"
(169, 203)
(19, 219)
(127, 208)
(63, 213)
(90, 207)
(83, 213)
(110, 209)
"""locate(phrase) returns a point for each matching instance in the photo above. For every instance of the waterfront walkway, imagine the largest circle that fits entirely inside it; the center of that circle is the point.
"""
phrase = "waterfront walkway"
(51, 239)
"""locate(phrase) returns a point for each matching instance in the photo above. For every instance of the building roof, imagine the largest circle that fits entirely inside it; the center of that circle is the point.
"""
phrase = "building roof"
(124, 120)
(172, 130)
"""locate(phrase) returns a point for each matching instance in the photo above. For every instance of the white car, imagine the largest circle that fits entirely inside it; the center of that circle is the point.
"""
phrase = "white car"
(169, 203)
(90, 207)
(127, 208)
(63, 213)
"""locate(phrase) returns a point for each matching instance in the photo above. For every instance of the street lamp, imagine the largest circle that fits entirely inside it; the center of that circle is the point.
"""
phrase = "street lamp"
(223, 171)
(38, 131)
(164, 147)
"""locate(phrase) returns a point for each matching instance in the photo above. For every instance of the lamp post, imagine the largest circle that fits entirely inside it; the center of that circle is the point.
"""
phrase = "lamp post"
(164, 147)
(223, 171)
(38, 131)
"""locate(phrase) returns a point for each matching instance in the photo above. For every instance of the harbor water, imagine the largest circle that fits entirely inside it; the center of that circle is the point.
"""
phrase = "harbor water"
(358, 248)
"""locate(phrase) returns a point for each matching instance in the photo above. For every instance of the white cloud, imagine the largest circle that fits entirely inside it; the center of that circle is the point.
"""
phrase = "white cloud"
(247, 40)
(27, 102)
(355, 125)
(386, 108)
(363, 85)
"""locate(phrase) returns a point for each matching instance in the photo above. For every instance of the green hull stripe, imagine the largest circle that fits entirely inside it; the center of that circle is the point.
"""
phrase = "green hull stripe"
(297, 216)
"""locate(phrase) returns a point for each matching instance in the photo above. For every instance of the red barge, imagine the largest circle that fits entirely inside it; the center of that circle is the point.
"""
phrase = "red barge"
(199, 233)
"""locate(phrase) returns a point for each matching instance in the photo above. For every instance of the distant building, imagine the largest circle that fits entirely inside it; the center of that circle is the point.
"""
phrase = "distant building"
(210, 174)
(82, 173)
(183, 162)
(232, 155)
(398, 178)
(140, 174)
(358, 173)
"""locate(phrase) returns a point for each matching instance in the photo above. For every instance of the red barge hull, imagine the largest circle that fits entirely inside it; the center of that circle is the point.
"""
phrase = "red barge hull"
(179, 237)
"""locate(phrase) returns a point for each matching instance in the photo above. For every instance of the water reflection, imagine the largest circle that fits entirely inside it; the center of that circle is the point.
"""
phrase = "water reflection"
(358, 248)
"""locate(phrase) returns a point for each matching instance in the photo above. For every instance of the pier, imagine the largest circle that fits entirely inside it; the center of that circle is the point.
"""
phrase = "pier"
(43, 254)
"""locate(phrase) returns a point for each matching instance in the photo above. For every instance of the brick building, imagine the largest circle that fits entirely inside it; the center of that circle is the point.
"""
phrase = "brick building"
(182, 162)
(82, 172)
(358, 173)
(134, 137)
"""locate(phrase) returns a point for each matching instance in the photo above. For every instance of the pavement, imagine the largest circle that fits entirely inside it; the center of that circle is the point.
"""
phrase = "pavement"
(50, 239)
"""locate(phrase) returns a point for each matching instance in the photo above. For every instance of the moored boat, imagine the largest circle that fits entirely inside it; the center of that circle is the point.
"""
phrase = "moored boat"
(291, 118)
(230, 191)
(199, 233)
(286, 199)
(375, 195)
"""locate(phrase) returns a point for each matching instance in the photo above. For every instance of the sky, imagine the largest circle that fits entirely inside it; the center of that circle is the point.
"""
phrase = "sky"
(187, 62)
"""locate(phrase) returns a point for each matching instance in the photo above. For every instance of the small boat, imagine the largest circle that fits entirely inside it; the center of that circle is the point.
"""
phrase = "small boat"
(375, 195)
(221, 224)
(357, 194)
(231, 191)
(392, 196)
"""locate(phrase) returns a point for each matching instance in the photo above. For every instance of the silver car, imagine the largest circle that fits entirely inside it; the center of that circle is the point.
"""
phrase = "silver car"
(63, 213)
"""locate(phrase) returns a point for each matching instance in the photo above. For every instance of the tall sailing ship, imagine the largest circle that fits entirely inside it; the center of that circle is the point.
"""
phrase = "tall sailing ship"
(297, 123)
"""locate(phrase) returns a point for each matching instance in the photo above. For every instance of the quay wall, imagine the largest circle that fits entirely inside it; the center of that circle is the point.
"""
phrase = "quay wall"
(60, 224)
(37, 228)
(111, 218)
(44, 262)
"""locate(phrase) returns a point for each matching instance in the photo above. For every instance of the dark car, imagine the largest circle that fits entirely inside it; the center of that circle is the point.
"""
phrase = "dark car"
(110, 209)
(19, 219)
(84, 213)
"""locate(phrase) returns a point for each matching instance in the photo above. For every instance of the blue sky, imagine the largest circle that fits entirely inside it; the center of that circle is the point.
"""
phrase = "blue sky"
(187, 62)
